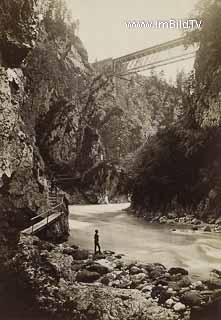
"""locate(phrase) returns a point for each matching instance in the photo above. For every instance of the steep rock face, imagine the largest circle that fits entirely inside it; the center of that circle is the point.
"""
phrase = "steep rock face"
(20, 26)
(21, 193)
(146, 104)
(41, 119)
(208, 68)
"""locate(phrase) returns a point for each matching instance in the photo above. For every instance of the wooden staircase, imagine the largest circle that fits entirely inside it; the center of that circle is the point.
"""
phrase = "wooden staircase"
(55, 202)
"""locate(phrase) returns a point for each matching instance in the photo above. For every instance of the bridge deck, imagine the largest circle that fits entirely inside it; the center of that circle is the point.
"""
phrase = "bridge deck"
(43, 223)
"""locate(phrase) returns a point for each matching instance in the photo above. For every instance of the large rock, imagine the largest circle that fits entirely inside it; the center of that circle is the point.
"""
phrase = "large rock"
(80, 254)
(96, 267)
(87, 276)
(177, 270)
(213, 283)
(179, 307)
(210, 310)
(191, 299)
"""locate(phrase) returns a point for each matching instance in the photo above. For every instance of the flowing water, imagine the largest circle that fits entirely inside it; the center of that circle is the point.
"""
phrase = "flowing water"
(197, 251)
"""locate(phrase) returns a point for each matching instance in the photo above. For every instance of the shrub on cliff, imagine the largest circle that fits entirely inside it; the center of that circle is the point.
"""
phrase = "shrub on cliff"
(171, 167)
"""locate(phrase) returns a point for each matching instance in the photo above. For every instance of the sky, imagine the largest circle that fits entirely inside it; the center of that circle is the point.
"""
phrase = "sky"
(104, 33)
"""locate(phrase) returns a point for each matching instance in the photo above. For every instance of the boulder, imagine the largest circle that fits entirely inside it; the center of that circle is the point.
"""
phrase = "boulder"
(96, 267)
(218, 221)
(169, 303)
(138, 278)
(163, 220)
(213, 284)
(208, 311)
(105, 280)
(69, 251)
(80, 254)
(191, 299)
(196, 221)
(87, 276)
(179, 307)
(198, 285)
(207, 229)
(184, 282)
(135, 270)
(172, 215)
(178, 270)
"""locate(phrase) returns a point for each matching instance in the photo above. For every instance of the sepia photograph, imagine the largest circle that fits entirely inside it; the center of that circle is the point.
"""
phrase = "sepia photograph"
(110, 160)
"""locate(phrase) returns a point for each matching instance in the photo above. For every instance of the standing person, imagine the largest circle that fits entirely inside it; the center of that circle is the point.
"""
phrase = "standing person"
(96, 242)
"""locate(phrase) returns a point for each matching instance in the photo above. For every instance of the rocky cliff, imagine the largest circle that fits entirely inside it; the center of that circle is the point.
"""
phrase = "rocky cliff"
(177, 170)
(44, 129)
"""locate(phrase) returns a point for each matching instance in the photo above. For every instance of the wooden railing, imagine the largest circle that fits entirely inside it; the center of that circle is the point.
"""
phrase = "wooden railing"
(46, 214)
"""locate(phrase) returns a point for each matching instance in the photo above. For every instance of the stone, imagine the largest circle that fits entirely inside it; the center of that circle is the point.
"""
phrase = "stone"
(198, 285)
(169, 303)
(125, 283)
(184, 282)
(191, 299)
(109, 252)
(156, 274)
(80, 254)
(218, 221)
(74, 246)
(69, 251)
(196, 221)
(105, 280)
(138, 278)
(87, 276)
(216, 273)
(178, 270)
(163, 220)
(135, 270)
(208, 311)
(96, 267)
(207, 229)
(172, 215)
(182, 220)
(179, 307)
(213, 284)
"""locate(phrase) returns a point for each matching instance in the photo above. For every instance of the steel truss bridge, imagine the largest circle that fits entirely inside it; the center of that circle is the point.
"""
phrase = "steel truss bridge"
(166, 53)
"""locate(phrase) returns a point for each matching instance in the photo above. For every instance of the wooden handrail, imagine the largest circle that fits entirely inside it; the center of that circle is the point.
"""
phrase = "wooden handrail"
(43, 214)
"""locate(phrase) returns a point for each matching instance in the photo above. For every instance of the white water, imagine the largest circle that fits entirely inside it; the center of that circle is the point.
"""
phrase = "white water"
(197, 251)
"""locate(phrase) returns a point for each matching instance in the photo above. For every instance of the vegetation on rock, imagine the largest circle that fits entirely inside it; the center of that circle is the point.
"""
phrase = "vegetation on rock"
(178, 168)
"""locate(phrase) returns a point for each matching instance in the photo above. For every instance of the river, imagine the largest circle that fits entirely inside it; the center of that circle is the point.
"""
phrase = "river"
(197, 251)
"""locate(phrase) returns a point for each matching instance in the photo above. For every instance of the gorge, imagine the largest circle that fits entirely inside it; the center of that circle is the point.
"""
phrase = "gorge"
(63, 123)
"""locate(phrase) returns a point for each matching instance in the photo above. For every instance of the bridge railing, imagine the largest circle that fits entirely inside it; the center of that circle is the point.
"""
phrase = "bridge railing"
(46, 214)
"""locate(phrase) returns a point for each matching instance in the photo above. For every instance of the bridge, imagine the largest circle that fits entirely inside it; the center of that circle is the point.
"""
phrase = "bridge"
(153, 57)
(46, 218)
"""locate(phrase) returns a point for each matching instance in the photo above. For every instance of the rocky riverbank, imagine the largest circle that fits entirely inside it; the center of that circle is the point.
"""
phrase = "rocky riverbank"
(184, 219)
(71, 283)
